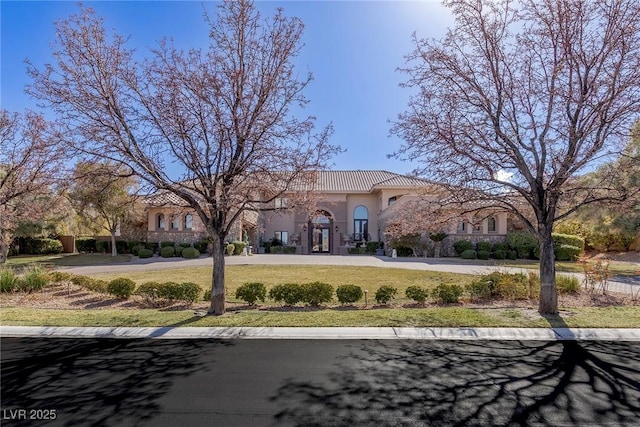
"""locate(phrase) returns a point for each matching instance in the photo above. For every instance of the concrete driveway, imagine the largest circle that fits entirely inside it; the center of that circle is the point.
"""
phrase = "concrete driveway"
(628, 284)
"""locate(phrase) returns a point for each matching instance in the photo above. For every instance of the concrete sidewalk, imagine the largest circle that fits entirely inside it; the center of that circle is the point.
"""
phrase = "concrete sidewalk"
(347, 333)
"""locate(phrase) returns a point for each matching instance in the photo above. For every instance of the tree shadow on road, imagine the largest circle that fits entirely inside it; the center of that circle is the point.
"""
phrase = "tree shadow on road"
(96, 382)
(471, 383)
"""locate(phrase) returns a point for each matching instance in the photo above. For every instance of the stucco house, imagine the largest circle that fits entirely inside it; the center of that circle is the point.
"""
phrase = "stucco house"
(350, 208)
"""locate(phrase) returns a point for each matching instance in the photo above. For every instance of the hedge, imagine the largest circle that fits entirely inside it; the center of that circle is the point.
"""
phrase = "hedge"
(41, 246)
(85, 244)
(469, 254)
(462, 245)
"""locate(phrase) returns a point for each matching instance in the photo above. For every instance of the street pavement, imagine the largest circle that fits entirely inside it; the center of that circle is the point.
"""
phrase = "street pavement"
(222, 382)
(452, 265)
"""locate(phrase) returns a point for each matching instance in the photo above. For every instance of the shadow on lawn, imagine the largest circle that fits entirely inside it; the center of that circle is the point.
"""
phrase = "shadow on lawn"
(470, 384)
(96, 382)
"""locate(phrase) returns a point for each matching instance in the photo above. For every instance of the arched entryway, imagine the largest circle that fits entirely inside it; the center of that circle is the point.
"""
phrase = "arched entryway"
(320, 235)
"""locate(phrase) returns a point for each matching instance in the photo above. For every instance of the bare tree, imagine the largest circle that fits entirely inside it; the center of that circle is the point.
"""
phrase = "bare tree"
(518, 100)
(104, 197)
(218, 128)
(30, 165)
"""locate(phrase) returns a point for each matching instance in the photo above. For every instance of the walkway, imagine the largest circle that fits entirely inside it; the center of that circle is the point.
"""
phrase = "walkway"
(628, 284)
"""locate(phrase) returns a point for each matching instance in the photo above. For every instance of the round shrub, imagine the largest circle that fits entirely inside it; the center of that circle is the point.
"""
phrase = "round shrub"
(8, 280)
(136, 250)
(167, 251)
(190, 253)
(230, 248)
(238, 247)
(404, 251)
(512, 255)
(483, 246)
(348, 294)
(512, 286)
(500, 246)
(145, 253)
(417, 294)
(385, 293)
(202, 246)
(316, 293)
(469, 254)
(150, 290)
(483, 254)
(462, 245)
(500, 254)
(523, 243)
(186, 291)
(178, 250)
(251, 292)
(447, 294)
(121, 287)
(89, 283)
(567, 253)
(289, 293)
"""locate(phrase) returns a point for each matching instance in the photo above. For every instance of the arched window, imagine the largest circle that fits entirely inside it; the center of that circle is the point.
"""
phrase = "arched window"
(188, 222)
(491, 224)
(361, 223)
(160, 222)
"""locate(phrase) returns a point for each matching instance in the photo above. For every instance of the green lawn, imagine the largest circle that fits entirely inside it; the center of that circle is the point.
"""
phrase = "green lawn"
(608, 317)
(68, 260)
(370, 278)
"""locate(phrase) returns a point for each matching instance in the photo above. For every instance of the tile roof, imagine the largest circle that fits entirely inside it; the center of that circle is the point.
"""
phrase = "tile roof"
(364, 181)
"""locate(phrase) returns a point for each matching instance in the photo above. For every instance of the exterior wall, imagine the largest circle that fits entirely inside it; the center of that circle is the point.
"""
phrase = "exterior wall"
(278, 221)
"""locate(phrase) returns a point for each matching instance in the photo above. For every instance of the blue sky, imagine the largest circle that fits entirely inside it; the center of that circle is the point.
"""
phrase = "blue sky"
(352, 48)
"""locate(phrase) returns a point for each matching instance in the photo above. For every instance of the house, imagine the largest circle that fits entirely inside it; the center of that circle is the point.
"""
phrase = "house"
(349, 209)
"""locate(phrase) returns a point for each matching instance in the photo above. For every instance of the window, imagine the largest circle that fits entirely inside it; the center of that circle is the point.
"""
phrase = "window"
(283, 236)
(491, 224)
(188, 222)
(174, 223)
(360, 223)
(160, 222)
(477, 227)
(281, 202)
(462, 227)
(392, 200)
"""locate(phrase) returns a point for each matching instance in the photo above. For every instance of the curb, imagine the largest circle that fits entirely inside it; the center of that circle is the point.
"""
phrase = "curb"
(355, 333)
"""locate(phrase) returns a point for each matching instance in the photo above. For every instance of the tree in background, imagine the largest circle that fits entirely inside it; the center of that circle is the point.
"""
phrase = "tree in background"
(521, 98)
(225, 118)
(30, 169)
(104, 196)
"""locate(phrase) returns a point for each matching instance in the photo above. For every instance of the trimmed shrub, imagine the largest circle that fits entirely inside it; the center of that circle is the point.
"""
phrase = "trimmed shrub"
(85, 244)
(202, 246)
(461, 246)
(136, 250)
(132, 244)
(187, 292)
(102, 246)
(178, 250)
(512, 254)
(8, 279)
(42, 246)
(283, 249)
(348, 294)
(33, 279)
(59, 276)
(512, 286)
(230, 249)
(404, 251)
(567, 252)
(483, 246)
(251, 292)
(522, 243)
(121, 287)
(500, 254)
(568, 239)
(447, 294)
(167, 251)
(167, 244)
(288, 293)
(90, 284)
(483, 254)
(152, 246)
(372, 246)
(190, 253)
(149, 290)
(316, 293)
(417, 294)
(567, 284)
(122, 247)
(145, 253)
(500, 246)
(480, 289)
(469, 254)
(385, 293)
(238, 247)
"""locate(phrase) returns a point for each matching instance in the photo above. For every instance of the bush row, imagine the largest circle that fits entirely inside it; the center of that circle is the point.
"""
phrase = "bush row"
(521, 245)
(516, 286)
(35, 246)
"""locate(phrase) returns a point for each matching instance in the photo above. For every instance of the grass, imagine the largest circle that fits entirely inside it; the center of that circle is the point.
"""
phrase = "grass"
(66, 260)
(588, 317)
(370, 278)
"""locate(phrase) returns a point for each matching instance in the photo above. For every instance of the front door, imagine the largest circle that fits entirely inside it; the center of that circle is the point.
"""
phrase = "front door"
(320, 240)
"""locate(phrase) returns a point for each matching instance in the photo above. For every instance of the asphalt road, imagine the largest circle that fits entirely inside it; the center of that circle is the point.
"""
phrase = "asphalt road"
(121, 382)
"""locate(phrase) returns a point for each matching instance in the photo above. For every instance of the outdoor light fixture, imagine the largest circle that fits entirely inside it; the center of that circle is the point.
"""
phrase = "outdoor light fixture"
(304, 228)
(337, 228)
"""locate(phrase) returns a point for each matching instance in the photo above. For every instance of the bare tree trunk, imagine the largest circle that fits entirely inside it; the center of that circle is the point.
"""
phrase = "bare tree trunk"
(548, 293)
(114, 250)
(217, 286)
(4, 253)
